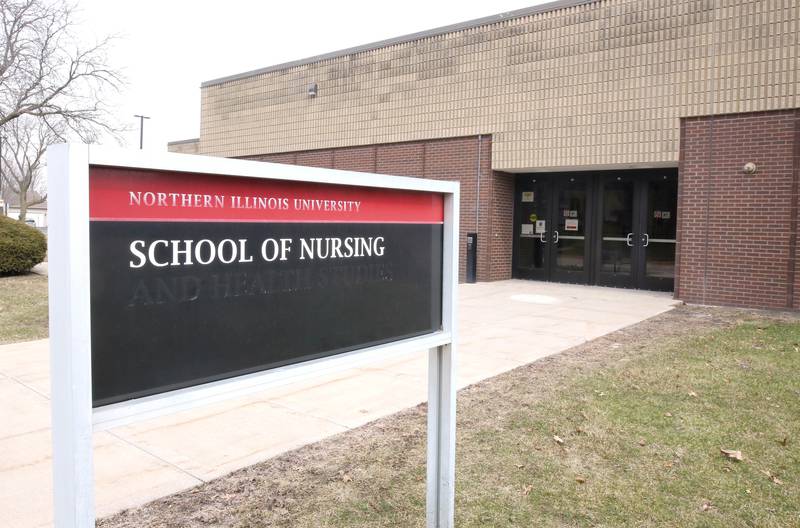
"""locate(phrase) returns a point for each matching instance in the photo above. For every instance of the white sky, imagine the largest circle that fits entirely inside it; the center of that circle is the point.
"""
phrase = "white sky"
(168, 47)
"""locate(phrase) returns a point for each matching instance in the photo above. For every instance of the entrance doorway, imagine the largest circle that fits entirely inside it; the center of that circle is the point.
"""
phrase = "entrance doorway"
(552, 238)
(614, 228)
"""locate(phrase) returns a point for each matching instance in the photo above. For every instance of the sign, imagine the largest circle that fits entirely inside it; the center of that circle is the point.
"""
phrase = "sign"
(177, 281)
(526, 229)
(571, 224)
(527, 196)
(541, 226)
(533, 217)
(196, 278)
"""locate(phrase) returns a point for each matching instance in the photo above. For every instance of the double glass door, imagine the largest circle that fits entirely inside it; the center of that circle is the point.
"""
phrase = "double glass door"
(638, 226)
(612, 228)
(551, 228)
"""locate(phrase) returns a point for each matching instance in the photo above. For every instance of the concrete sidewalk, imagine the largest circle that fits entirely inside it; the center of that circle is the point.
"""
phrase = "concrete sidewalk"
(502, 325)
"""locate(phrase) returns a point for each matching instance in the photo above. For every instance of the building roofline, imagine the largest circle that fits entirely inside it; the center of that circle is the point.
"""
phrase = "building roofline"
(183, 141)
(452, 28)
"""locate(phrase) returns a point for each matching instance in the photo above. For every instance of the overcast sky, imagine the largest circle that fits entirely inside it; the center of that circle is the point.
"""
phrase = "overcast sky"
(168, 47)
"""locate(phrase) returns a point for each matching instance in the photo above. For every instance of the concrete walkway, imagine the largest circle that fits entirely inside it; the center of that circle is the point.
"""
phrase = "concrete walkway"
(40, 269)
(502, 325)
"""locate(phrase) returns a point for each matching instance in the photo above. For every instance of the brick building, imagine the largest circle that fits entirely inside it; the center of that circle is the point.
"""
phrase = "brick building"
(632, 143)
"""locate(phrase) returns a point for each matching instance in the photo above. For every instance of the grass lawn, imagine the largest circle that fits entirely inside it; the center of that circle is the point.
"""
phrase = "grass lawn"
(642, 442)
(624, 431)
(23, 308)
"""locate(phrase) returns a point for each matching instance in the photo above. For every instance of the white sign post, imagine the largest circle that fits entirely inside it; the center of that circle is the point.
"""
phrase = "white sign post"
(73, 416)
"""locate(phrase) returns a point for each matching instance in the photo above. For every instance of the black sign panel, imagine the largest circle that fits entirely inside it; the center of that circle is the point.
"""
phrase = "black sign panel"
(189, 290)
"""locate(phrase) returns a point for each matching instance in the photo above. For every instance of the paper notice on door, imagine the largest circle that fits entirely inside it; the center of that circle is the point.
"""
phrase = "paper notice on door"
(527, 229)
(541, 226)
(527, 196)
(571, 224)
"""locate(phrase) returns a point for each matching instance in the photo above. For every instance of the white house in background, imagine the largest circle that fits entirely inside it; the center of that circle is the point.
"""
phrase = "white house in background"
(36, 215)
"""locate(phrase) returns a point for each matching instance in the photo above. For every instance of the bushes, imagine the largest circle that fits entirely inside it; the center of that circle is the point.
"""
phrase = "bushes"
(21, 246)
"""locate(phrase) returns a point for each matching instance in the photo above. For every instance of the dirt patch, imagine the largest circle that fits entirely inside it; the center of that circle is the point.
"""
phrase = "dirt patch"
(375, 475)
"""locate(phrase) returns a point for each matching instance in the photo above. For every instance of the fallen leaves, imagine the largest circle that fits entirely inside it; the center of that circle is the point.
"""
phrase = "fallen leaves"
(580, 480)
(558, 440)
(706, 505)
(527, 490)
(733, 454)
(772, 476)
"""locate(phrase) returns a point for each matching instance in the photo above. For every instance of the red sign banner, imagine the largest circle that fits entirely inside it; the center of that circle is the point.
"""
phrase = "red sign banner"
(142, 195)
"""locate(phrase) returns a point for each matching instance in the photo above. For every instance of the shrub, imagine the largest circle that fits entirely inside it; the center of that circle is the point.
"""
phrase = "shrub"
(21, 246)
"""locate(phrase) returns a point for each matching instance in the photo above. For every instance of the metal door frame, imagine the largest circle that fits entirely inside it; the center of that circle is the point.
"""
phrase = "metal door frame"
(545, 273)
(641, 180)
(591, 275)
(567, 276)
(642, 237)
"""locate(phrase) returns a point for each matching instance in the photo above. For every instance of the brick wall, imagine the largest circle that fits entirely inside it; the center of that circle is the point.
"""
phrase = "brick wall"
(737, 233)
(455, 159)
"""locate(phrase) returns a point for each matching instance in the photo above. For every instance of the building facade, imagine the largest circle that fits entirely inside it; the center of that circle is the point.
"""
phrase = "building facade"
(633, 143)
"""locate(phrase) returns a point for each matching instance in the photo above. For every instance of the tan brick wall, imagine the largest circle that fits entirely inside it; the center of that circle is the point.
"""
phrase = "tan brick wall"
(603, 83)
(189, 146)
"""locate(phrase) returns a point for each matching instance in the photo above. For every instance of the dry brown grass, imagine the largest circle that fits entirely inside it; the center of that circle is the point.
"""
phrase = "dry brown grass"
(643, 413)
(23, 308)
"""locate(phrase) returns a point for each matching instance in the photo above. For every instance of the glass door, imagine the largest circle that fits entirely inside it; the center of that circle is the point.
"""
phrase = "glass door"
(659, 198)
(569, 255)
(615, 253)
(532, 230)
(612, 228)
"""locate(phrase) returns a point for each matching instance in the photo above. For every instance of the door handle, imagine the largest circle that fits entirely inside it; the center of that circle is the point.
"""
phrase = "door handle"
(555, 237)
(541, 238)
(646, 239)
(628, 240)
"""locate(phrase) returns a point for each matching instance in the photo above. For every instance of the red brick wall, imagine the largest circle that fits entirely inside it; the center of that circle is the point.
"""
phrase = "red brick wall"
(737, 232)
(455, 159)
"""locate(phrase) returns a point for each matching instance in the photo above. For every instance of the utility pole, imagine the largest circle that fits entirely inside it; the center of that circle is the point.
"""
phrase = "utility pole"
(141, 129)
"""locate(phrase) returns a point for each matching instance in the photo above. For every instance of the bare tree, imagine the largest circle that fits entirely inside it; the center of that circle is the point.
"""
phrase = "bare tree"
(50, 82)
(22, 161)
(46, 72)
